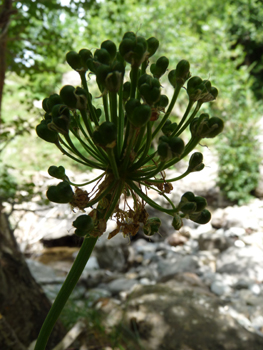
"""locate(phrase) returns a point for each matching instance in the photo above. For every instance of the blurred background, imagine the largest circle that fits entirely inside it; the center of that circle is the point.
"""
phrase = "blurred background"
(223, 41)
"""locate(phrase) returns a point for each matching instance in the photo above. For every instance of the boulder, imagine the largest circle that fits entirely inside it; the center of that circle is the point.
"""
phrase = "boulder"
(176, 316)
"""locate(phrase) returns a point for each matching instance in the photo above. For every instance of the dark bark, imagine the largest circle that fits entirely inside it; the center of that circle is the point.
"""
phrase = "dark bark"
(23, 304)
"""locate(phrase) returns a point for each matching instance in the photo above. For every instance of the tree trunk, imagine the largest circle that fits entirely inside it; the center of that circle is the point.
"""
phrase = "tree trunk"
(23, 304)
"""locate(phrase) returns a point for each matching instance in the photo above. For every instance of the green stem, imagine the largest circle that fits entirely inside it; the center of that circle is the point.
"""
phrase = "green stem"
(85, 183)
(76, 151)
(150, 174)
(139, 139)
(162, 194)
(120, 123)
(100, 153)
(73, 276)
(87, 122)
(198, 106)
(134, 77)
(72, 157)
(90, 106)
(114, 167)
(147, 146)
(169, 110)
(65, 291)
(172, 180)
(188, 148)
(148, 200)
(128, 149)
(88, 149)
(105, 106)
(188, 109)
(113, 107)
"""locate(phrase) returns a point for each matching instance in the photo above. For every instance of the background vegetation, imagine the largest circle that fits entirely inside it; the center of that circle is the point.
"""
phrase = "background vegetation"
(222, 41)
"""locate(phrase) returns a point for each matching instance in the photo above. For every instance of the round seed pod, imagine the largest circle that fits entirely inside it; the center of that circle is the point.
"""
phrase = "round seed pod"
(129, 35)
(199, 126)
(53, 100)
(162, 102)
(106, 135)
(152, 226)
(74, 60)
(131, 105)
(163, 150)
(177, 222)
(216, 126)
(196, 162)
(126, 49)
(67, 94)
(45, 105)
(180, 74)
(152, 46)
(126, 91)
(102, 73)
(110, 47)
(168, 127)
(201, 218)
(164, 138)
(102, 56)
(187, 197)
(83, 224)
(60, 119)
(140, 116)
(150, 94)
(113, 81)
(62, 193)
(200, 202)
(57, 172)
(45, 133)
(177, 146)
(188, 208)
(160, 67)
(84, 56)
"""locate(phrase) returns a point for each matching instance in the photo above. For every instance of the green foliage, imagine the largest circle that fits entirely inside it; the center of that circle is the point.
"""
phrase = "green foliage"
(119, 337)
(239, 151)
(229, 32)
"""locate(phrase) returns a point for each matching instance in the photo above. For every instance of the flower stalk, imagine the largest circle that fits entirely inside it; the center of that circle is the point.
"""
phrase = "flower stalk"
(132, 141)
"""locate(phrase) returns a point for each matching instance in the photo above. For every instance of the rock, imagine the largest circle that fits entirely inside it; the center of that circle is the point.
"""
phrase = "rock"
(235, 232)
(210, 241)
(112, 254)
(44, 274)
(176, 239)
(247, 261)
(220, 288)
(247, 216)
(168, 269)
(94, 294)
(120, 285)
(175, 316)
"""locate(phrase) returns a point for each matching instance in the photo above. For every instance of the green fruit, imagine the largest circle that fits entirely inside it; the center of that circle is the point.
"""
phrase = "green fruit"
(45, 133)
(110, 47)
(177, 222)
(188, 208)
(176, 145)
(196, 162)
(74, 60)
(84, 224)
(57, 172)
(152, 46)
(201, 218)
(152, 226)
(62, 193)
(106, 135)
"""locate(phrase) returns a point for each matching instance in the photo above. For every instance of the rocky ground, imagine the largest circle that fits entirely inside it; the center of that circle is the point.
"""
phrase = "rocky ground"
(197, 289)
